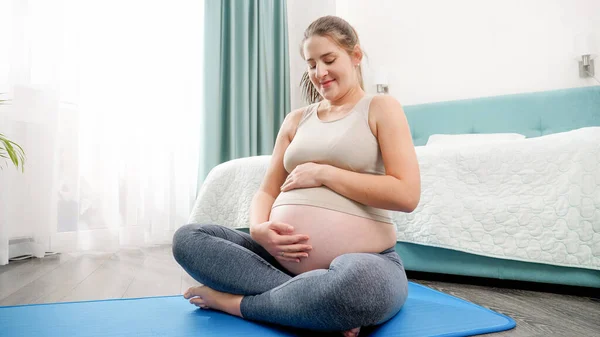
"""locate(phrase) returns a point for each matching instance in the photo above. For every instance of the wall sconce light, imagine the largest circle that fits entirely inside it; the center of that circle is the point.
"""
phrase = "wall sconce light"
(584, 48)
(586, 66)
(381, 81)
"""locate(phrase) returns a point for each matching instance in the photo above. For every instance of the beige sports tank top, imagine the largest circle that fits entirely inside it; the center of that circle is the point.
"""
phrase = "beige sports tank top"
(347, 143)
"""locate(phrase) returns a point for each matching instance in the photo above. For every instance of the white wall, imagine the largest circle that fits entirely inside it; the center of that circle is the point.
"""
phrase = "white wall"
(435, 50)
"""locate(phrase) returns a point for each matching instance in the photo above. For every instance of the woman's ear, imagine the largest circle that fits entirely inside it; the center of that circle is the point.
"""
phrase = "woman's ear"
(357, 55)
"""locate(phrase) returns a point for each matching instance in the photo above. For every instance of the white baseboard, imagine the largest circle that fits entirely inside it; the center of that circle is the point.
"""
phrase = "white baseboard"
(25, 246)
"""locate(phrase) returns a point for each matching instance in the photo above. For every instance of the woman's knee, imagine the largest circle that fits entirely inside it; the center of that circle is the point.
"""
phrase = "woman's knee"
(367, 288)
(185, 240)
(357, 266)
(180, 241)
(367, 268)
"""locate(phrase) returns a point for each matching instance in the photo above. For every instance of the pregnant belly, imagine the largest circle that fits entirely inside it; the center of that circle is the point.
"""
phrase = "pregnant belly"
(331, 234)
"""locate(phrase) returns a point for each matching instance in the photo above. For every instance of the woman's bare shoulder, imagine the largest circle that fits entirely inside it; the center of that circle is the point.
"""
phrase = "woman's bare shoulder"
(384, 109)
(386, 104)
(292, 120)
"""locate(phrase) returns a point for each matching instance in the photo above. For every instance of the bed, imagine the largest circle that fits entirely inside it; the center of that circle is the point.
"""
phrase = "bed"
(526, 209)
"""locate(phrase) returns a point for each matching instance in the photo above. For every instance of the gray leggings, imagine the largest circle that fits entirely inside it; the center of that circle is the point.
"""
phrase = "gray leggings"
(358, 289)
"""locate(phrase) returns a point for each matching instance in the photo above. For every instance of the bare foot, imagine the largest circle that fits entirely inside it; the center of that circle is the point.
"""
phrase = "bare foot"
(352, 333)
(207, 298)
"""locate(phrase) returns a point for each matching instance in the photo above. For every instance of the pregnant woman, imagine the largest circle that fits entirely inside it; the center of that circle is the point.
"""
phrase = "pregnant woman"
(320, 254)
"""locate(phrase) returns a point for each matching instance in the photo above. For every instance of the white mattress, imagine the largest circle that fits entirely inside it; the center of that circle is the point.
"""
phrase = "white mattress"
(535, 200)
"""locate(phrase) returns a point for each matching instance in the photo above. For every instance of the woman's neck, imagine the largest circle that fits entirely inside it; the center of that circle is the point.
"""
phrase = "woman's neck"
(349, 98)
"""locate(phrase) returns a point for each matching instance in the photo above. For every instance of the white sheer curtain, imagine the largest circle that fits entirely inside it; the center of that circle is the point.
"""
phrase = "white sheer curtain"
(106, 101)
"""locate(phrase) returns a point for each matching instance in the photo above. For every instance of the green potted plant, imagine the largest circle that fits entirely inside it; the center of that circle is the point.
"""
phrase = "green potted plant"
(11, 150)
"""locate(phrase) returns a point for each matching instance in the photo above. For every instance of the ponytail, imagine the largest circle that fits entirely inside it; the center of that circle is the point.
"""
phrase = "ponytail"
(309, 92)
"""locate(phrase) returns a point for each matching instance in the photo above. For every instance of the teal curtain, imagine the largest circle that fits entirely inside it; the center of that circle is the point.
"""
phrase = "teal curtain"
(246, 85)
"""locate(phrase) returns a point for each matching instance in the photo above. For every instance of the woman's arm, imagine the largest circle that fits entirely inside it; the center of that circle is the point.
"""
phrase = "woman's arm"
(260, 208)
(384, 191)
(400, 188)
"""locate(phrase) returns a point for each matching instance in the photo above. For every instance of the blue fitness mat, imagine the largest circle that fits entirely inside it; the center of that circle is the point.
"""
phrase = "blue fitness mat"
(427, 312)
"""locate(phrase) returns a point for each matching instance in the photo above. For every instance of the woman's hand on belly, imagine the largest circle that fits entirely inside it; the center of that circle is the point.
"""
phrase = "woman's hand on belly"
(284, 247)
(304, 176)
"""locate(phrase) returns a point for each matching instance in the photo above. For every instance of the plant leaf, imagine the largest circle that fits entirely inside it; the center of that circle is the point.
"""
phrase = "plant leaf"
(11, 153)
(15, 152)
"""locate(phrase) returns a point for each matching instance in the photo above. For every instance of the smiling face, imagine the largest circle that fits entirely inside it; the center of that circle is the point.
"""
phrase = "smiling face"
(332, 70)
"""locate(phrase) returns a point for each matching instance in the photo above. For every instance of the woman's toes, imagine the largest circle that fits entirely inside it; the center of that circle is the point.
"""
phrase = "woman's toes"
(191, 292)
(197, 301)
(352, 333)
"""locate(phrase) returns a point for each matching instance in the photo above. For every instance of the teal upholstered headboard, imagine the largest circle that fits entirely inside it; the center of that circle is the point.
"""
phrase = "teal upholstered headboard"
(531, 114)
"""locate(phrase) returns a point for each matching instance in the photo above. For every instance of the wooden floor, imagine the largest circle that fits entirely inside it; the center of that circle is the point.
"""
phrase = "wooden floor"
(154, 272)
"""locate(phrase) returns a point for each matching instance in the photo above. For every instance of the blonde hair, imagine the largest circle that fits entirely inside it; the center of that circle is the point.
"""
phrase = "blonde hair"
(340, 32)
